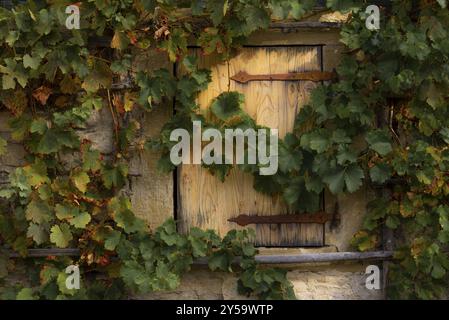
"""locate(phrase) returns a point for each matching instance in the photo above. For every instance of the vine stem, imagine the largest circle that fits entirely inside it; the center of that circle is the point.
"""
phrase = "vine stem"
(229, 75)
(390, 124)
(101, 59)
(114, 119)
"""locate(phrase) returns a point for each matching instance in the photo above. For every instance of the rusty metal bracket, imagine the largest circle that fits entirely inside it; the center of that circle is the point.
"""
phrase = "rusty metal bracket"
(319, 217)
(244, 77)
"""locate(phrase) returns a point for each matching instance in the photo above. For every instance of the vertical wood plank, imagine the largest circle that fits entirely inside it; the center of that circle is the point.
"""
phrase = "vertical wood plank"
(205, 202)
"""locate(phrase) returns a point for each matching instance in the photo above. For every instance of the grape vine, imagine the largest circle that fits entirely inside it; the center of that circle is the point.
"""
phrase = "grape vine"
(383, 122)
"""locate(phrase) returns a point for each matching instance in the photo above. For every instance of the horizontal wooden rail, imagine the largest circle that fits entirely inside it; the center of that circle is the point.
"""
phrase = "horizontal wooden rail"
(261, 258)
(105, 41)
(40, 253)
(306, 25)
(324, 257)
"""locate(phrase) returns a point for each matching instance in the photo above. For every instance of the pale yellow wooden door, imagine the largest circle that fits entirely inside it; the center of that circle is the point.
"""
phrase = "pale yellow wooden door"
(204, 201)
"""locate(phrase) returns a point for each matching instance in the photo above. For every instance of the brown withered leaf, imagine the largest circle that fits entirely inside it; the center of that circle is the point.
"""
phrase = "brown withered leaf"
(161, 32)
(61, 101)
(14, 100)
(132, 37)
(129, 101)
(42, 94)
(119, 41)
(99, 76)
(70, 85)
(117, 101)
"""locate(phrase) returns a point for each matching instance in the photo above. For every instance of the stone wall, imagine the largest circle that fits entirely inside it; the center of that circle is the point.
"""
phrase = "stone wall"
(325, 282)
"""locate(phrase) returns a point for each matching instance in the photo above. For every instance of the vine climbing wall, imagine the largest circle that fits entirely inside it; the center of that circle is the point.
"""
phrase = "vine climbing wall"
(87, 180)
(195, 197)
(199, 196)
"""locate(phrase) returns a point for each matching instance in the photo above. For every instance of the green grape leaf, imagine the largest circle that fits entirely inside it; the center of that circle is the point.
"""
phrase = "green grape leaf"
(8, 82)
(350, 176)
(31, 62)
(112, 239)
(380, 173)
(220, 261)
(38, 233)
(379, 141)
(61, 235)
(38, 212)
(91, 159)
(38, 125)
(80, 180)
(64, 212)
(392, 222)
(36, 173)
(218, 9)
(120, 209)
(80, 220)
(3, 145)
(26, 294)
(115, 176)
(61, 281)
(128, 221)
(438, 271)
(99, 76)
(227, 105)
(120, 40)
(176, 44)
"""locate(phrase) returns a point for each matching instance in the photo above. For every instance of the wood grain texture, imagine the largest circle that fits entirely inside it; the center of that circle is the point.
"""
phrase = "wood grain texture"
(275, 37)
(207, 203)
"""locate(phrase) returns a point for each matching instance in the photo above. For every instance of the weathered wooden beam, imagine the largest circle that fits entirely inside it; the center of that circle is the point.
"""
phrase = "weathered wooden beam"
(324, 257)
(124, 85)
(105, 41)
(390, 183)
(305, 25)
(327, 257)
(39, 253)
(262, 259)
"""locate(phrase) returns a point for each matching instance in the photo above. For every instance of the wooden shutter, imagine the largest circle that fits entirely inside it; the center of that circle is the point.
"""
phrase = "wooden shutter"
(204, 201)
